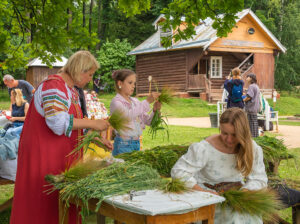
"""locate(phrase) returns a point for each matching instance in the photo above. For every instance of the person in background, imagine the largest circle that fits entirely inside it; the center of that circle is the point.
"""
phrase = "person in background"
(234, 87)
(19, 108)
(97, 84)
(137, 111)
(52, 129)
(223, 161)
(26, 87)
(274, 96)
(252, 103)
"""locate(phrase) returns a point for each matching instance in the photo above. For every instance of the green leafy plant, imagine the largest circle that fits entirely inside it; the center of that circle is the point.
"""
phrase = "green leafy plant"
(274, 150)
(161, 158)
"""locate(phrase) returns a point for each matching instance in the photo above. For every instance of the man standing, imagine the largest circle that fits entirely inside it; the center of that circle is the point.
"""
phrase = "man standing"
(26, 87)
(252, 103)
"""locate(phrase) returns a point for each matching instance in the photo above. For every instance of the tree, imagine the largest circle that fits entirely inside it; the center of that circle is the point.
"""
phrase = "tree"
(113, 56)
(282, 17)
(193, 12)
(34, 28)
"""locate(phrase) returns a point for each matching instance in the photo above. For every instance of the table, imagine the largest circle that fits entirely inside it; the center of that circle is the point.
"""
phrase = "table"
(112, 209)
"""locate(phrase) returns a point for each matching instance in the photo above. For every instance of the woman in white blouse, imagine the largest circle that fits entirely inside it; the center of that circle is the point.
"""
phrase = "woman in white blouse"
(230, 158)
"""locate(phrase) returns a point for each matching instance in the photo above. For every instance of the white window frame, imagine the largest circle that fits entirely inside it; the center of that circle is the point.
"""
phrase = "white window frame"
(215, 73)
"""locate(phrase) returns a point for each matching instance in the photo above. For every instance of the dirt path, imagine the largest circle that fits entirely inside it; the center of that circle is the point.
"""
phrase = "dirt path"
(290, 134)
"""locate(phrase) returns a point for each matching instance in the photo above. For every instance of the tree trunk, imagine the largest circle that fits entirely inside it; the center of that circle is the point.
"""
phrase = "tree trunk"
(99, 34)
(90, 19)
(83, 14)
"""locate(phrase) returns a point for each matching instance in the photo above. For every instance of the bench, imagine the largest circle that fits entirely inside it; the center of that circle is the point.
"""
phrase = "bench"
(268, 115)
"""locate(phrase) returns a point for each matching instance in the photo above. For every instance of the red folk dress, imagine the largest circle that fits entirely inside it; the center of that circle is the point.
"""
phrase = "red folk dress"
(42, 152)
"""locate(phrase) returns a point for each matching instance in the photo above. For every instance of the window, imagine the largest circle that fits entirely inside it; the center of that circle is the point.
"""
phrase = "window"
(216, 67)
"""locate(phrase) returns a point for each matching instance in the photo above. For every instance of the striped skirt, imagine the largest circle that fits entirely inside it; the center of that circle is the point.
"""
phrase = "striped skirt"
(253, 123)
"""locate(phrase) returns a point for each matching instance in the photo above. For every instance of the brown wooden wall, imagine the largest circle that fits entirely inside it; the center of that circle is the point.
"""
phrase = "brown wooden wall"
(264, 66)
(167, 68)
(35, 75)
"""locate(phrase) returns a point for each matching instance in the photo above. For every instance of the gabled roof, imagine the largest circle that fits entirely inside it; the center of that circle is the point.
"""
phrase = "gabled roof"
(205, 36)
(38, 62)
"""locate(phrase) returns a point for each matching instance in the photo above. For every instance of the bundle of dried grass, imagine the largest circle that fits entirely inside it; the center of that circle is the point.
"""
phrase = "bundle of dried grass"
(174, 185)
(80, 169)
(118, 120)
(262, 203)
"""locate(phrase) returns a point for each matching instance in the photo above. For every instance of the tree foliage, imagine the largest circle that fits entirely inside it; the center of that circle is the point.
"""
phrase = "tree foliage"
(282, 17)
(52, 28)
(34, 28)
(113, 56)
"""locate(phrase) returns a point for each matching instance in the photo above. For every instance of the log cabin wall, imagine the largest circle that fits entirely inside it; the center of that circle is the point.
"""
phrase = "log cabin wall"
(36, 74)
(229, 61)
(166, 69)
(264, 65)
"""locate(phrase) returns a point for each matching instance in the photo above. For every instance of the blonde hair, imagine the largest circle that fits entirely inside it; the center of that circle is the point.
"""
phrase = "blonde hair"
(17, 94)
(78, 63)
(236, 72)
(244, 157)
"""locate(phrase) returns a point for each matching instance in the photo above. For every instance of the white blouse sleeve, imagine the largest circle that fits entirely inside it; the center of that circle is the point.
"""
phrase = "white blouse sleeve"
(53, 105)
(189, 164)
(257, 179)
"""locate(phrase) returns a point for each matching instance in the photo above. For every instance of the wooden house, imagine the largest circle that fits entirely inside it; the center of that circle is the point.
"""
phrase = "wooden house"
(37, 70)
(199, 66)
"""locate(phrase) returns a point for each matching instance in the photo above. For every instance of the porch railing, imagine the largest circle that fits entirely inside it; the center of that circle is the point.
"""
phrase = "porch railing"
(197, 81)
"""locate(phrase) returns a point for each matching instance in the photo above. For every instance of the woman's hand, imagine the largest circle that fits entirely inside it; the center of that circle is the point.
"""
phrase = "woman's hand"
(198, 188)
(156, 106)
(99, 125)
(107, 143)
(152, 97)
(12, 119)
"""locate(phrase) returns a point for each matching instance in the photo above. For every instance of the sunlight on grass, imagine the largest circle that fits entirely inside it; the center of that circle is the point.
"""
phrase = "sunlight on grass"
(178, 135)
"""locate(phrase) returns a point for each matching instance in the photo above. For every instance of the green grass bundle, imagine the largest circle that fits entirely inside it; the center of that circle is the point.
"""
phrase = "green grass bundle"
(273, 149)
(78, 171)
(157, 124)
(166, 96)
(174, 185)
(264, 203)
(85, 141)
(118, 120)
(160, 158)
(116, 179)
(158, 121)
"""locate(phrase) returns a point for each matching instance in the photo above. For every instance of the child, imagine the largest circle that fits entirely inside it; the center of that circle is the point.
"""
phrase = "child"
(235, 89)
(137, 111)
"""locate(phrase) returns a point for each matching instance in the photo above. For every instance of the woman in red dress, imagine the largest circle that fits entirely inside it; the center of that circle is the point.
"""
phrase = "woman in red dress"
(51, 130)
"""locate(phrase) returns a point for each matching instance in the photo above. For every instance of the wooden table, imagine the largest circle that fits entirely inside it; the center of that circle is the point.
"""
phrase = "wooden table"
(206, 214)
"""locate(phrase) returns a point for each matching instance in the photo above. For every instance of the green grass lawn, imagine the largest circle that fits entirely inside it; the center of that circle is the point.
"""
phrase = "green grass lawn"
(287, 105)
(185, 107)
